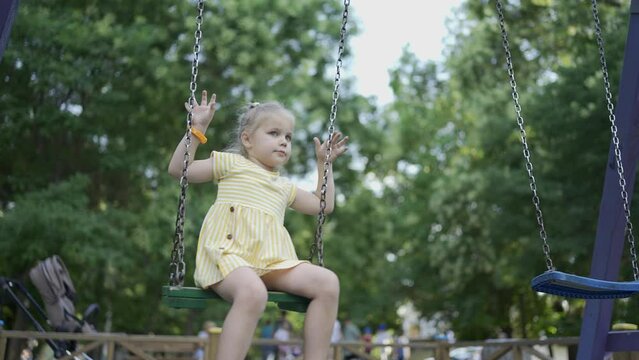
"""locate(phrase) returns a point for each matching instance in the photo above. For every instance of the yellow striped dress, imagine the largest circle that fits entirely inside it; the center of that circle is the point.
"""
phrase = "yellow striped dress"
(245, 225)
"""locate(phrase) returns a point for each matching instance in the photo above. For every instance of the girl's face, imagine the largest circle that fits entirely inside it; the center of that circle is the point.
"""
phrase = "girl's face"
(269, 143)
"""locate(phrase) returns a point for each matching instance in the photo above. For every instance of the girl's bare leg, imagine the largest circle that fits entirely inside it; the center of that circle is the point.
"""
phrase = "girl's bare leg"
(322, 287)
(248, 295)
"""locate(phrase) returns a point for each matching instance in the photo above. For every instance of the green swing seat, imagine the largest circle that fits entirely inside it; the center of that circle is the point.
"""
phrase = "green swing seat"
(197, 298)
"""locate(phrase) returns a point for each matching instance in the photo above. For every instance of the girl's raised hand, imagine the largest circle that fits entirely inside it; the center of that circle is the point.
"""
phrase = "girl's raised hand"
(338, 147)
(202, 112)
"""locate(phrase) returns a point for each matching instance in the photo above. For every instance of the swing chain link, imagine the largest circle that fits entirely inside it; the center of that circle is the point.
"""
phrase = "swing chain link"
(178, 265)
(318, 246)
(615, 140)
(524, 142)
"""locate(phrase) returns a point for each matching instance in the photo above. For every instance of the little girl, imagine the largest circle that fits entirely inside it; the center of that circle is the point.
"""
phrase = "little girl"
(244, 249)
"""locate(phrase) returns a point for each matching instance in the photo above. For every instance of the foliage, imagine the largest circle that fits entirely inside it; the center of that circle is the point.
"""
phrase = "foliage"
(91, 88)
(471, 222)
(433, 201)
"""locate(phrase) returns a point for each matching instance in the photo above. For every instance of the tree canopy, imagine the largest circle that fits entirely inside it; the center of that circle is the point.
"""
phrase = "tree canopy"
(434, 204)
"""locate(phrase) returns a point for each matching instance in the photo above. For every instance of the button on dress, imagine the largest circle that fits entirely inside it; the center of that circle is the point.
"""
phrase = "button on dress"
(245, 225)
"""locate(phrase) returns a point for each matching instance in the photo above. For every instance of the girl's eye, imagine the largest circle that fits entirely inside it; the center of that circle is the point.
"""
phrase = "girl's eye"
(274, 133)
(289, 137)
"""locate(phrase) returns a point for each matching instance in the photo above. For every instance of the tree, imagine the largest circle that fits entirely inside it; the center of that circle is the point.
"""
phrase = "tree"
(472, 232)
(93, 98)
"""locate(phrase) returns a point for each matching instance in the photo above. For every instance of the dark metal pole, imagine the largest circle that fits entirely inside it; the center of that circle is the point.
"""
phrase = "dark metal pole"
(8, 10)
(609, 243)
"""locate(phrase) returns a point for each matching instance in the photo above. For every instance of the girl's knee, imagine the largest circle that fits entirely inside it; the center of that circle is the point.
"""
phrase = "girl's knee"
(330, 284)
(253, 296)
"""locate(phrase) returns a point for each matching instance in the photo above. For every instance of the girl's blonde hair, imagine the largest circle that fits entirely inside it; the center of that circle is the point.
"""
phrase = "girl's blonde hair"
(248, 120)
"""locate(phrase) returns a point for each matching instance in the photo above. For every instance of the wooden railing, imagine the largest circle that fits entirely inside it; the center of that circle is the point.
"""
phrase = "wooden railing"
(130, 347)
(111, 346)
(516, 349)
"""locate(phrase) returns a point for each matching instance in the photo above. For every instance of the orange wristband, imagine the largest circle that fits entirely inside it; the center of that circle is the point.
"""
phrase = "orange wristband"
(199, 135)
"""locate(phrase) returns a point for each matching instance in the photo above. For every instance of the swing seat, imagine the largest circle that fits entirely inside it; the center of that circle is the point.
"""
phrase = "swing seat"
(197, 298)
(580, 287)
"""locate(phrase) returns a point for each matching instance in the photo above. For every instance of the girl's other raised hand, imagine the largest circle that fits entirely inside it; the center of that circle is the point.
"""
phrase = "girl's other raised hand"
(202, 112)
(338, 147)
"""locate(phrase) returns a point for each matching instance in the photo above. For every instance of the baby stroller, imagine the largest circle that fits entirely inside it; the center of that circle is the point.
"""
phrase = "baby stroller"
(54, 284)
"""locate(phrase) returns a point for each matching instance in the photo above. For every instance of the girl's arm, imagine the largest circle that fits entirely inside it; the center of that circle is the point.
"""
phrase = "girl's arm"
(309, 203)
(198, 170)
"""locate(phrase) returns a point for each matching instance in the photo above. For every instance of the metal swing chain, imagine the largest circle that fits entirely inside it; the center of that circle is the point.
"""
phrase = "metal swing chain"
(178, 266)
(613, 129)
(524, 142)
(317, 247)
(615, 140)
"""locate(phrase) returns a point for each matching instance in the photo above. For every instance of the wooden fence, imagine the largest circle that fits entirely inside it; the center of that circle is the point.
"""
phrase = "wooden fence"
(112, 346)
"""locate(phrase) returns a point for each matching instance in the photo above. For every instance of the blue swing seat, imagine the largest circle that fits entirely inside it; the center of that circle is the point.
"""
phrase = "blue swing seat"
(574, 286)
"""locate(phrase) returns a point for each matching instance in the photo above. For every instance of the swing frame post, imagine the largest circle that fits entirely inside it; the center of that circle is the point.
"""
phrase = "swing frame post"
(595, 338)
(8, 12)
